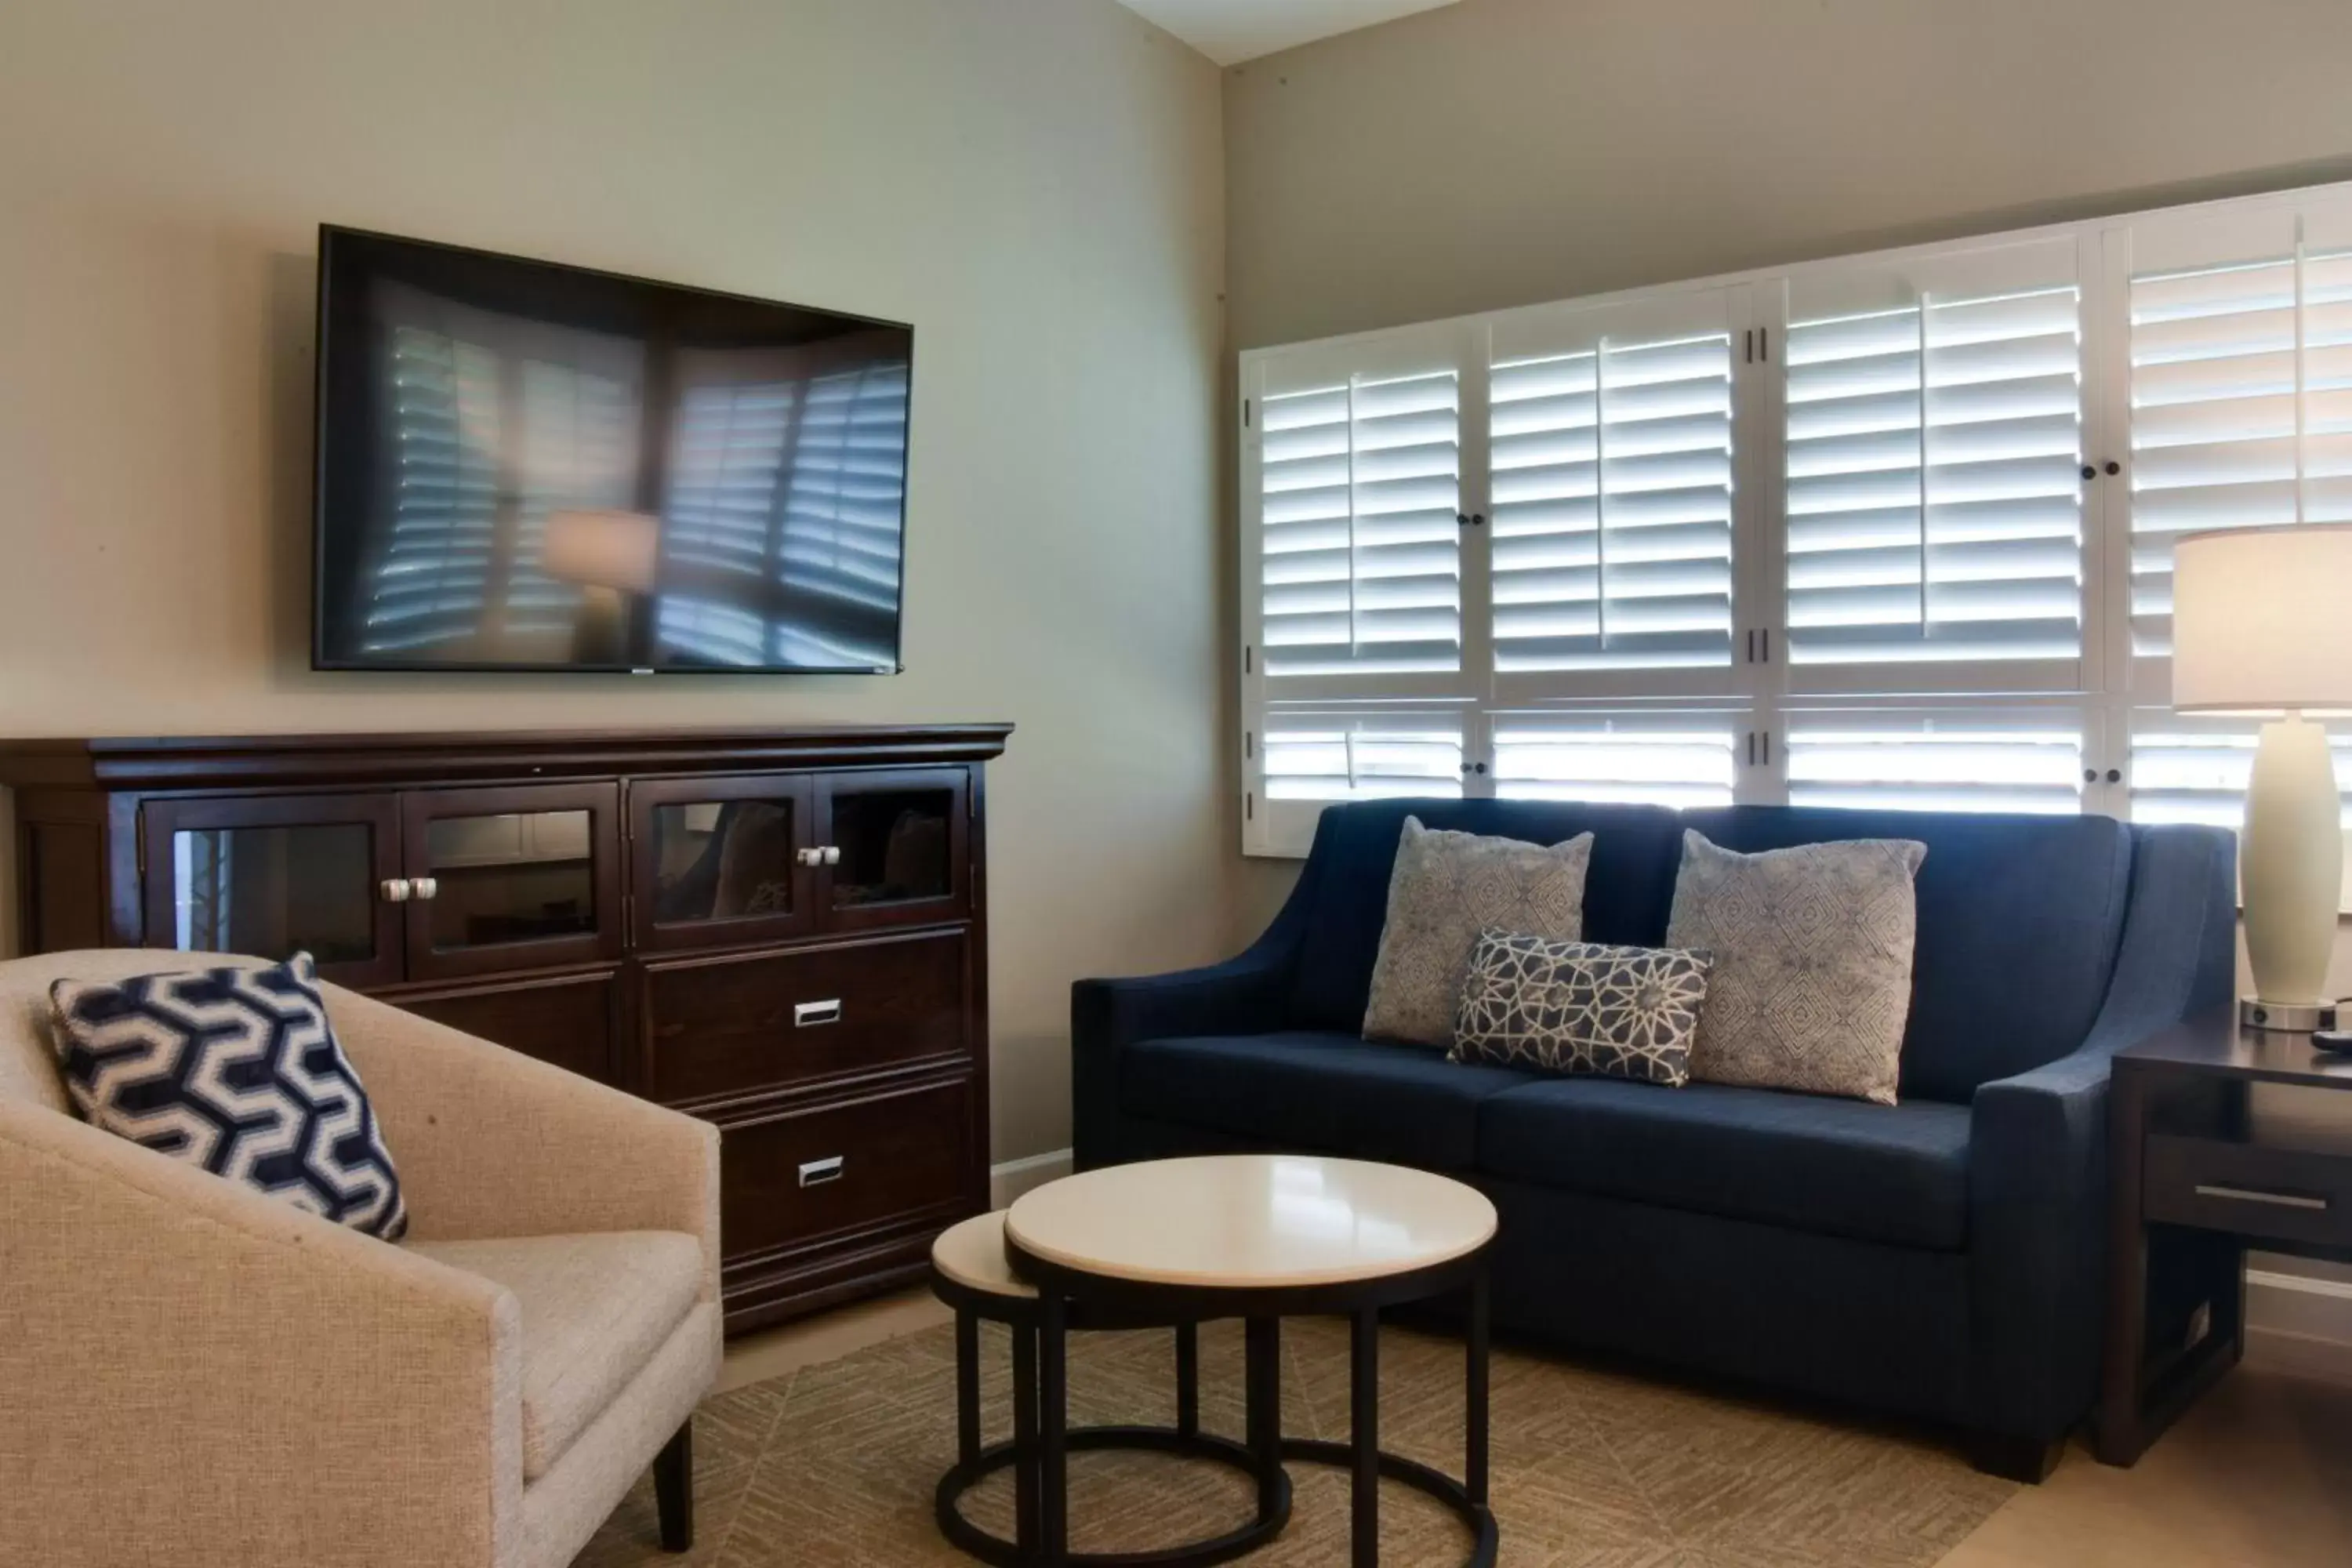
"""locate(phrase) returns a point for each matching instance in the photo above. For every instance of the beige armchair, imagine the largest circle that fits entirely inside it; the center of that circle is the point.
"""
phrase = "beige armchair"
(193, 1373)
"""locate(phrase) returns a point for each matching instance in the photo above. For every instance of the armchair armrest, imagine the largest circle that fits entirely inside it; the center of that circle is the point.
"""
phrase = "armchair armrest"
(490, 1142)
(188, 1362)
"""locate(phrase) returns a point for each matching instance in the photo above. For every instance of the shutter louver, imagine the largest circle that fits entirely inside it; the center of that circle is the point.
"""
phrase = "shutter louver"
(1325, 757)
(1612, 507)
(1993, 761)
(1359, 490)
(431, 575)
(1679, 760)
(1934, 497)
(2241, 410)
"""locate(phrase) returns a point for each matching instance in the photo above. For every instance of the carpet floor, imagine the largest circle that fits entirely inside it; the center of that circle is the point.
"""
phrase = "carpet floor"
(833, 1465)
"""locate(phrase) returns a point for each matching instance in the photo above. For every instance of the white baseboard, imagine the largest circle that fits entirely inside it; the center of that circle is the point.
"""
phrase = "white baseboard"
(2297, 1324)
(1014, 1177)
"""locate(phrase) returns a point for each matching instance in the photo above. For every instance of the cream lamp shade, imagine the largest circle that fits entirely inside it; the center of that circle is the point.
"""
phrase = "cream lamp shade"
(2259, 618)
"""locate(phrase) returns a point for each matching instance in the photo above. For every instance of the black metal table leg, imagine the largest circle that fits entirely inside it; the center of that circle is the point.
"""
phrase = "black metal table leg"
(1024, 1440)
(1474, 1411)
(1262, 1379)
(967, 1379)
(1053, 1433)
(1364, 1437)
(1188, 1379)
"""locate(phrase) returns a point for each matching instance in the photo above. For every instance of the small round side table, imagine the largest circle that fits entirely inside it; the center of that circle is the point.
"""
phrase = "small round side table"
(970, 1272)
(1262, 1237)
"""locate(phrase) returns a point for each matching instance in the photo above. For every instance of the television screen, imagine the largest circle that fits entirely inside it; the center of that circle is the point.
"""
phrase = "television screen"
(522, 466)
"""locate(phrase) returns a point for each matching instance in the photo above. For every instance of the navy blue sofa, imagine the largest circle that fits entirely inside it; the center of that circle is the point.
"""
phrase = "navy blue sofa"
(1940, 1259)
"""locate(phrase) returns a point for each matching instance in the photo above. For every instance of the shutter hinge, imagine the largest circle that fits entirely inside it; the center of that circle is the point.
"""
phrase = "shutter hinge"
(1249, 806)
(1764, 344)
(1752, 345)
(1246, 651)
(1752, 747)
(1249, 745)
(1245, 412)
(1766, 635)
(1767, 748)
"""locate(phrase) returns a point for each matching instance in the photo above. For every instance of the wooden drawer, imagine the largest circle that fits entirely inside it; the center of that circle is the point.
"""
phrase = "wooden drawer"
(721, 1027)
(803, 1174)
(570, 1020)
(2287, 1195)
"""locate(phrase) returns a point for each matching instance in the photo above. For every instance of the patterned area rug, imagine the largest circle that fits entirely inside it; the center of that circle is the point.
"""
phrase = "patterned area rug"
(833, 1466)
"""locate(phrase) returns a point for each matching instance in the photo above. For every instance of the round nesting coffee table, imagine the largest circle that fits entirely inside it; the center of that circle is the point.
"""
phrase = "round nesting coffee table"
(1260, 1238)
(971, 1273)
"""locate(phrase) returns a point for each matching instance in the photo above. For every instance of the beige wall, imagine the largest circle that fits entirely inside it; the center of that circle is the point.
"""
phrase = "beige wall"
(1501, 152)
(1034, 183)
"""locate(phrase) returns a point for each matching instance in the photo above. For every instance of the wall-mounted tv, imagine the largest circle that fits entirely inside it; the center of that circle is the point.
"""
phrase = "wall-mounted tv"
(526, 466)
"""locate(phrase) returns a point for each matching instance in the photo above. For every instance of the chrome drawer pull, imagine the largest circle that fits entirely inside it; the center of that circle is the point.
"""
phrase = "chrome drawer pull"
(2254, 1195)
(816, 1173)
(807, 1012)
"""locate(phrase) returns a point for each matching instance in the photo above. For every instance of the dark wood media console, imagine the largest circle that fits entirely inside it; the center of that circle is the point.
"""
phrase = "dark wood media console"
(784, 931)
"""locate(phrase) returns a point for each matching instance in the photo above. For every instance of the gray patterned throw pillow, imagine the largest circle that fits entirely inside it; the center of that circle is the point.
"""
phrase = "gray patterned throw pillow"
(1813, 963)
(1581, 1007)
(1448, 888)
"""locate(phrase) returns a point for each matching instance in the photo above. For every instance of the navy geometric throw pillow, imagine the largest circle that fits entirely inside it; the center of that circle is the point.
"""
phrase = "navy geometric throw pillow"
(236, 1070)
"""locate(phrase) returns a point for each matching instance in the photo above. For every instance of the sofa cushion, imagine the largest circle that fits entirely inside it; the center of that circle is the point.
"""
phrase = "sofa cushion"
(595, 1310)
(1811, 984)
(1447, 889)
(1326, 1093)
(2018, 921)
(1581, 1007)
(1894, 1174)
(1627, 885)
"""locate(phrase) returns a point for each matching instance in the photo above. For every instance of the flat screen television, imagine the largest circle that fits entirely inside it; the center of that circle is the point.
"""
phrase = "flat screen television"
(526, 466)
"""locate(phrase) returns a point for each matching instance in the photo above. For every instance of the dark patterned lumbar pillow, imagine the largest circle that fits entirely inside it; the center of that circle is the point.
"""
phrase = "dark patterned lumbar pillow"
(1581, 1007)
(237, 1071)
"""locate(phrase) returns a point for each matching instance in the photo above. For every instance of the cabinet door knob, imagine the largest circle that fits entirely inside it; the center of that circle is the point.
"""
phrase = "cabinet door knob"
(397, 889)
(809, 857)
(425, 887)
(832, 854)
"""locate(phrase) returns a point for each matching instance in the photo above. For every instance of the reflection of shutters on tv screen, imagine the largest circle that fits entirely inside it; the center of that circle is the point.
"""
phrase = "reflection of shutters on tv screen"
(447, 571)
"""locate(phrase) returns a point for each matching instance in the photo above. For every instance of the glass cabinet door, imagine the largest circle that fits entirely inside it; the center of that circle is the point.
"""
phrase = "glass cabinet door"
(275, 876)
(720, 862)
(502, 878)
(894, 846)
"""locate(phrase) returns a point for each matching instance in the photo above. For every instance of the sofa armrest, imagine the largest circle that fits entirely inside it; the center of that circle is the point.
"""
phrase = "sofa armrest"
(2038, 1143)
(195, 1370)
(490, 1142)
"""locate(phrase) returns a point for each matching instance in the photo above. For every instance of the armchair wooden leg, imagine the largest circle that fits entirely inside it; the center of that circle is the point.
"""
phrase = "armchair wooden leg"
(673, 1489)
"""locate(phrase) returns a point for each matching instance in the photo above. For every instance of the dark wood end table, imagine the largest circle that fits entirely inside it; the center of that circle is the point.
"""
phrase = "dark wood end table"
(2193, 1184)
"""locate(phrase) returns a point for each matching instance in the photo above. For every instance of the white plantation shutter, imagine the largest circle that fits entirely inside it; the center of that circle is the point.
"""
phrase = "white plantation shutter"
(2194, 768)
(1673, 758)
(1359, 493)
(1611, 457)
(2002, 760)
(1303, 759)
(2240, 388)
(1933, 468)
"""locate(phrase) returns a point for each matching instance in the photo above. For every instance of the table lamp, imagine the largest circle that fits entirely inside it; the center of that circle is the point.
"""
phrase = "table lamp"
(2258, 626)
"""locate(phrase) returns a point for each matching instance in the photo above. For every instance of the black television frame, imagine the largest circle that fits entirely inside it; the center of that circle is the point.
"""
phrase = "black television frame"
(320, 661)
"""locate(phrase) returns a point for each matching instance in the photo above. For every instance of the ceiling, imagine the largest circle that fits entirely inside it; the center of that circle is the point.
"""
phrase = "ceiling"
(1230, 31)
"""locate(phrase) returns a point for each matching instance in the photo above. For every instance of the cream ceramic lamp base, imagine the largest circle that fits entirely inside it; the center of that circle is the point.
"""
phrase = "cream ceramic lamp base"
(2291, 867)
